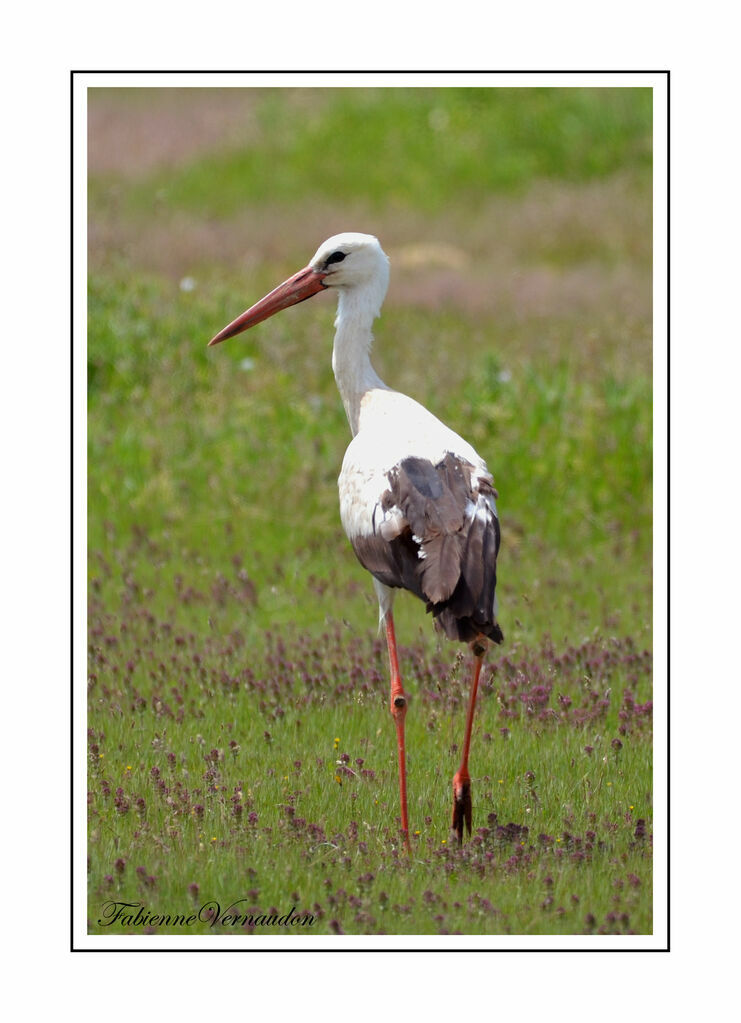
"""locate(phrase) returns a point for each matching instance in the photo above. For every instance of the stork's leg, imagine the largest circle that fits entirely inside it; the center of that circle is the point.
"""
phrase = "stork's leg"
(462, 806)
(398, 712)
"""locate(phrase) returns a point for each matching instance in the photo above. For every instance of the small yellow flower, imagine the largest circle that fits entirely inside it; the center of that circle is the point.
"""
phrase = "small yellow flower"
(128, 767)
(444, 841)
(338, 779)
(213, 839)
(416, 832)
(100, 756)
(501, 781)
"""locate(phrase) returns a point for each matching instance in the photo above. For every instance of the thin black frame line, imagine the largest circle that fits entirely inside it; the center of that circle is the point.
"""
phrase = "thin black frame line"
(667, 73)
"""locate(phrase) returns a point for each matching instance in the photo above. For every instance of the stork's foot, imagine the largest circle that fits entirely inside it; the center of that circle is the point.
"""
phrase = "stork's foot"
(462, 806)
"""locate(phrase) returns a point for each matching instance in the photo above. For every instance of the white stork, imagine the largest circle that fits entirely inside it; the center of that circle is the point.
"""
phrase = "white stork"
(416, 501)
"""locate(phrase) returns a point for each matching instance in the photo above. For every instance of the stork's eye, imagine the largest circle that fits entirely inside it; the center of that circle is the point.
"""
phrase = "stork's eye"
(336, 257)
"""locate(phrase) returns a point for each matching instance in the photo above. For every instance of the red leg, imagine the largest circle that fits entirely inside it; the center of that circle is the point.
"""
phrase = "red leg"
(398, 712)
(462, 805)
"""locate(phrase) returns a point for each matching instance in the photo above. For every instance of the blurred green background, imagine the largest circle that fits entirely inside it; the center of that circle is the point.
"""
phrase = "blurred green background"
(518, 222)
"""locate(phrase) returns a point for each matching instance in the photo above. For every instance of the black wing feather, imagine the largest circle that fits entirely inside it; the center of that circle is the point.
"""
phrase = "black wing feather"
(446, 551)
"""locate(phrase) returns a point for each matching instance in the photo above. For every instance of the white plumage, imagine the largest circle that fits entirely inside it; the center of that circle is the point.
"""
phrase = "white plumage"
(391, 427)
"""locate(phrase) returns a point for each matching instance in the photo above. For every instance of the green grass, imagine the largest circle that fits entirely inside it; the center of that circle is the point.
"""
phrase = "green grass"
(232, 632)
(418, 147)
(202, 446)
(193, 761)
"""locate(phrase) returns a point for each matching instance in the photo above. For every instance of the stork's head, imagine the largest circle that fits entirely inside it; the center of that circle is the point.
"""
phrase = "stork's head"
(350, 262)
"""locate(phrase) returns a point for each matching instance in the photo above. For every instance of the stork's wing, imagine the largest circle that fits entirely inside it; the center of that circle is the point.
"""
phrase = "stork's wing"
(436, 533)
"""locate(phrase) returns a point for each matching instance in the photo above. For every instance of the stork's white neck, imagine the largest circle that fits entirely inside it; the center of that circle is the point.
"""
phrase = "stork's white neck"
(356, 310)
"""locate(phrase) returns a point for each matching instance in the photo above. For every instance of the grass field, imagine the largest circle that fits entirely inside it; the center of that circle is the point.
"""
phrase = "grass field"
(241, 753)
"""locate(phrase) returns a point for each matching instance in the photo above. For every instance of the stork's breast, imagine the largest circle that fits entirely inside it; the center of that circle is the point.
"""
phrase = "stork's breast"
(361, 494)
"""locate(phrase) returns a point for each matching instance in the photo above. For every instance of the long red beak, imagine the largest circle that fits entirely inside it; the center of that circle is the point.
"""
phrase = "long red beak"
(303, 285)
